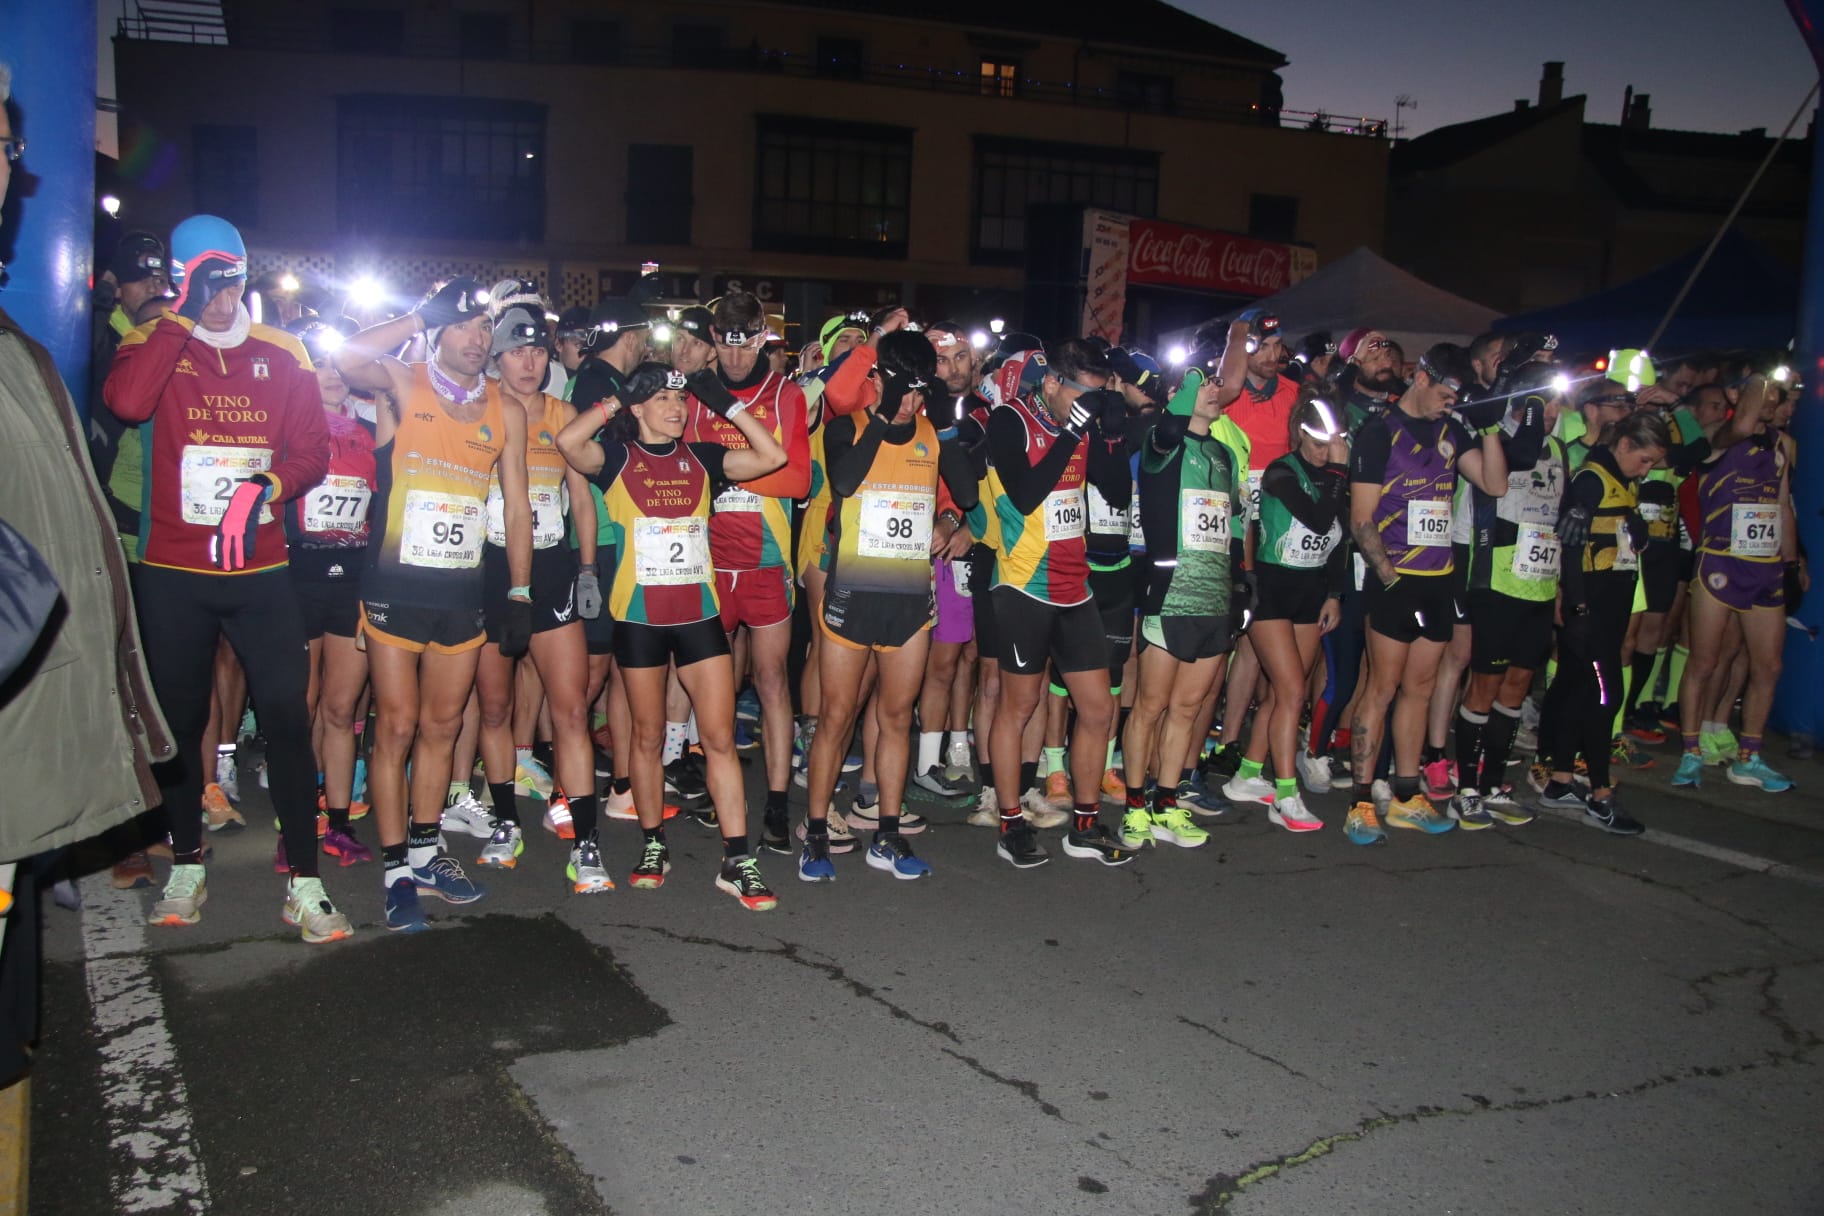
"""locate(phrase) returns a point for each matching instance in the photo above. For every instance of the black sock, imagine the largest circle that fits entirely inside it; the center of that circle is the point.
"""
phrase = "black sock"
(623, 785)
(816, 826)
(1431, 755)
(987, 774)
(1029, 776)
(1086, 817)
(421, 835)
(584, 815)
(1643, 672)
(1498, 744)
(1470, 735)
(338, 818)
(393, 855)
(505, 806)
(734, 846)
(1405, 788)
(775, 806)
(651, 834)
(889, 826)
(187, 859)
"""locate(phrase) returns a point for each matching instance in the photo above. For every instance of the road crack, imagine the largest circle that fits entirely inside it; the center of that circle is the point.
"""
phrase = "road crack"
(1237, 1043)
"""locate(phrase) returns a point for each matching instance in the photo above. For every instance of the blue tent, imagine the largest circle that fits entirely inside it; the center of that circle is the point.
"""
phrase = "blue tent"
(1743, 298)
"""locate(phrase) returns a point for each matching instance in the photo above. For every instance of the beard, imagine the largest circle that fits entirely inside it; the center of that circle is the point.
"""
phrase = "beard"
(1383, 381)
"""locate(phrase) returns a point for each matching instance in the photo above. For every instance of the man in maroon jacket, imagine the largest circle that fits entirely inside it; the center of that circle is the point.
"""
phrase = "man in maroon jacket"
(235, 426)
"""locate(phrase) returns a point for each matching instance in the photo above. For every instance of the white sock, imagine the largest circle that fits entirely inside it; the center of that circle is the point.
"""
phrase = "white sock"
(420, 856)
(1711, 728)
(930, 743)
(674, 741)
(390, 873)
(690, 727)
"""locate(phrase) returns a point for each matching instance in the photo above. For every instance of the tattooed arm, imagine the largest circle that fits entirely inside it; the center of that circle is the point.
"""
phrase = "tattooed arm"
(1362, 499)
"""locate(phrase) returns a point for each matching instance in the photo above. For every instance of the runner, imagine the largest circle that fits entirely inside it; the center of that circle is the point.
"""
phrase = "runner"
(1601, 534)
(441, 435)
(1403, 474)
(663, 598)
(236, 425)
(1747, 541)
(878, 606)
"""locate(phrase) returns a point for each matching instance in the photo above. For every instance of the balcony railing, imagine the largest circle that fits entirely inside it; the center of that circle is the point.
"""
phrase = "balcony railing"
(928, 78)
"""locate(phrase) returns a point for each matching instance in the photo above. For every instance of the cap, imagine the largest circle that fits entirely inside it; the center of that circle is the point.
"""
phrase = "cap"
(1632, 369)
(832, 329)
(696, 321)
(138, 256)
(615, 313)
(1352, 341)
(518, 326)
(320, 337)
(574, 322)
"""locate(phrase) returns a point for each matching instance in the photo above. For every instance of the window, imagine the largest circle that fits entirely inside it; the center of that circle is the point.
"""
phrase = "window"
(462, 167)
(1013, 174)
(658, 194)
(484, 35)
(226, 172)
(831, 187)
(696, 46)
(1146, 91)
(1273, 217)
(1000, 77)
(595, 41)
(367, 31)
(839, 58)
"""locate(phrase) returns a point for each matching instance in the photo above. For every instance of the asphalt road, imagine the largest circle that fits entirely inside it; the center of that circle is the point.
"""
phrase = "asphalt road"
(1533, 1020)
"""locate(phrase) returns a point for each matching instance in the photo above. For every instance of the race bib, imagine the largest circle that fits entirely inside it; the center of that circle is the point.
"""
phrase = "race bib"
(338, 505)
(1536, 554)
(896, 524)
(1626, 556)
(1428, 523)
(736, 499)
(1136, 538)
(1063, 515)
(671, 552)
(209, 476)
(1104, 518)
(1203, 521)
(442, 531)
(548, 506)
(1754, 530)
(959, 577)
(1303, 549)
(1254, 479)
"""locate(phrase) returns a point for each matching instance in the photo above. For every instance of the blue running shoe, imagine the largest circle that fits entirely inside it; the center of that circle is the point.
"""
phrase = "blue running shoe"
(1755, 771)
(1690, 774)
(359, 791)
(745, 738)
(747, 705)
(444, 879)
(851, 763)
(1363, 826)
(892, 854)
(404, 914)
(814, 864)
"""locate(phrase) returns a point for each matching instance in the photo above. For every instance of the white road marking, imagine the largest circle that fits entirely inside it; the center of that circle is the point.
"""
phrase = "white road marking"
(1715, 852)
(156, 1164)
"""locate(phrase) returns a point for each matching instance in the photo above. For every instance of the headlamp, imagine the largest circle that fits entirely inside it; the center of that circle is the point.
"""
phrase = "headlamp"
(1450, 382)
(739, 337)
(675, 380)
(1325, 430)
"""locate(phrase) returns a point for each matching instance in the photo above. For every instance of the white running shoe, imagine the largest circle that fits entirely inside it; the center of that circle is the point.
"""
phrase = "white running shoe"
(505, 843)
(307, 906)
(1248, 789)
(182, 902)
(987, 812)
(226, 775)
(468, 817)
(1314, 772)
(1291, 814)
(1038, 811)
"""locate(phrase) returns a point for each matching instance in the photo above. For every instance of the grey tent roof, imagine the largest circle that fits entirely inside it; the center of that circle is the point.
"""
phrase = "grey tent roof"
(1364, 289)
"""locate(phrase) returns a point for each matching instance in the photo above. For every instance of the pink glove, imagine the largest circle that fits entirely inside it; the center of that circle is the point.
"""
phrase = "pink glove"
(232, 544)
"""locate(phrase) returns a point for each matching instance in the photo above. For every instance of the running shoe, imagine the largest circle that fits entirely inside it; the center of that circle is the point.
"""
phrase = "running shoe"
(586, 873)
(250, 725)
(1643, 727)
(307, 906)
(1137, 828)
(776, 835)
(1417, 814)
(684, 782)
(1039, 812)
(892, 852)
(654, 864)
(1224, 761)
(620, 806)
(705, 815)
(852, 762)
(814, 864)
(345, 848)
(1248, 789)
(1019, 847)
(740, 877)
(444, 879)
(1690, 774)
(1669, 719)
(1205, 800)
(1173, 825)
(1440, 777)
(987, 812)
(358, 791)
(867, 819)
(842, 838)
(1292, 815)
(225, 774)
(1468, 810)
(1363, 826)
(1098, 844)
(746, 738)
(182, 902)
(931, 784)
(132, 871)
(468, 817)
(1057, 792)
(956, 756)
(1499, 803)
(218, 812)
(1563, 797)
(1539, 776)
(1623, 753)
(1720, 747)
(1114, 787)
(404, 911)
(747, 705)
(262, 771)
(504, 846)
(532, 778)
(557, 817)
(1755, 771)
(1382, 793)
(1314, 773)
(1606, 813)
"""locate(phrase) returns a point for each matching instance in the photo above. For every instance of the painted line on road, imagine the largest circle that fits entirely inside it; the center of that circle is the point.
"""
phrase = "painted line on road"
(1715, 852)
(156, 1164)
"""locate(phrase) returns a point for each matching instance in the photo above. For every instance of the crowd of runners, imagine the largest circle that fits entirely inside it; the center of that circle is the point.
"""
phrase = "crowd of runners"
(481, 569)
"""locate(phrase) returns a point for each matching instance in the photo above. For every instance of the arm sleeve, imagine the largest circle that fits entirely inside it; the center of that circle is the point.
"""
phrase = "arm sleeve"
(793, 478)
(142, 367)
(1027, 484)
(972, 438)
(710, 456)
(1368, 459)
(1527, 441)
(1109, 471)
(1687, 459)
(1317, 512)
(957, 475)
(1585, 491)
(849, 388)
(849, 454)
(1336, 570)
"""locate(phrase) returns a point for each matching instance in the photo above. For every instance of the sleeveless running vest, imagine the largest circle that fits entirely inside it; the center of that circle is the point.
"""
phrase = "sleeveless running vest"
(1415, 509)
(1286, 542)
(1524, 554)
(882, 535)
(1042, 552)
(1738, 499)
(545, 485)
(658, 510)
(327, 525)
(1611, 546)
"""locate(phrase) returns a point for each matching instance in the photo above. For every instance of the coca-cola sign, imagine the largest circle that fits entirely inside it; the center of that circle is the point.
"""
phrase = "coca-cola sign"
(1203, 260)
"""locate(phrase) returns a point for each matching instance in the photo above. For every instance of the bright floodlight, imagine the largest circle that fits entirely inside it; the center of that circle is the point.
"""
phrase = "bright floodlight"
(1177, 355)
(111, 205)
(979, 339)
(288, 282)
(367, 293)
(661, 333)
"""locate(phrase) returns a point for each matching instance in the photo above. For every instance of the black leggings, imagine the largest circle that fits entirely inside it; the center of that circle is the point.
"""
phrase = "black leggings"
(1579, 710)
(180, 615)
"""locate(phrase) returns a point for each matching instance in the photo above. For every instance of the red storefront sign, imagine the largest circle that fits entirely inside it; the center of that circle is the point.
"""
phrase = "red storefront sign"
(1202, 260)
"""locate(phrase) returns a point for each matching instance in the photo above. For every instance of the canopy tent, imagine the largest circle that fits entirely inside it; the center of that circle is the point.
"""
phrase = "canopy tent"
(1363, 288)
(1743, 298)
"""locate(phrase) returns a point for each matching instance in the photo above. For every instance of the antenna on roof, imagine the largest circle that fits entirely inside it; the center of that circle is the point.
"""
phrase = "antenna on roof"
(1405, 101)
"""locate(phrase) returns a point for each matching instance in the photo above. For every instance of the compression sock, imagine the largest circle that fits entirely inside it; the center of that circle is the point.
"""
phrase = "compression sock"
(1642, 671)
(506, 807)
(1029, 776)
(930, 746)
(585, 813)
(394, 865)
(421, 845)
(1053, 761)
(338, 818)
(1472, 730)
(1249, 769)
(674, 741)
(1405, 789)
(1498, 744)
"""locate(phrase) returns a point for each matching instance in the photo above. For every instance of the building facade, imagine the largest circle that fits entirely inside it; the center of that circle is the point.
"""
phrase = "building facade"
(820, 153)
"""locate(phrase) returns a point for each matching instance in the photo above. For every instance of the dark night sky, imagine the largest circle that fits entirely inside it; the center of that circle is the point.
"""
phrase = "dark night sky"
(1710, 65)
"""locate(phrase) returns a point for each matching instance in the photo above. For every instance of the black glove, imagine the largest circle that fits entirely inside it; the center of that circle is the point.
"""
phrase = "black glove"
(1574, 528)
(1110, 408)
(1482, 413)
(1081, 415)
(516, 628)
(708, 388)
(453, 304)
(205, 280)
